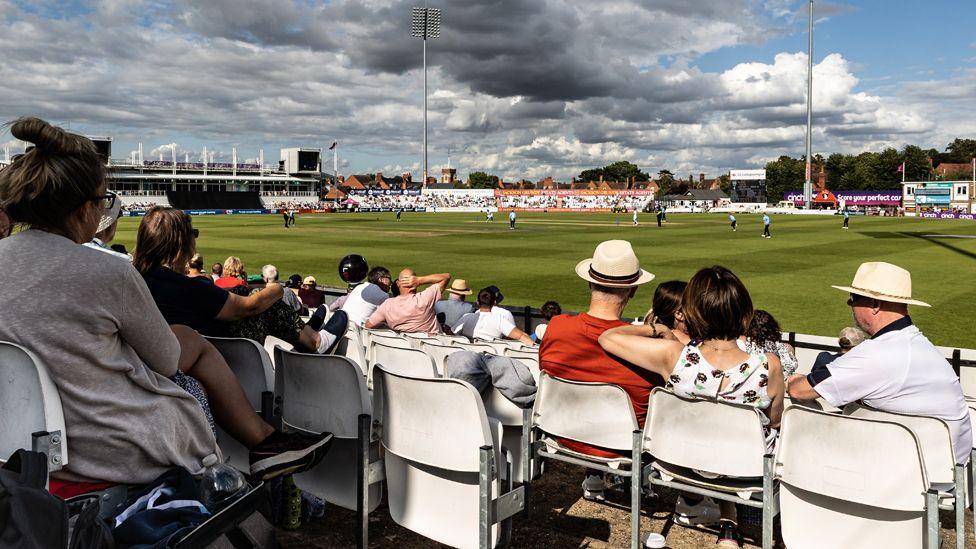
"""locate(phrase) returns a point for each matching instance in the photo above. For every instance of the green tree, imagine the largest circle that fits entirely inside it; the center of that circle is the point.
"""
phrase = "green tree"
(725, 183)
(481, 180)
(960, 151)
(665, 180)
(618, 171)
(917, 165)
(783, 174)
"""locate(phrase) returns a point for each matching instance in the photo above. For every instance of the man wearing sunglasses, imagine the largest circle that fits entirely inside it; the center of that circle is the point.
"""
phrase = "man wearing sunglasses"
(112, 211)
(898, 369)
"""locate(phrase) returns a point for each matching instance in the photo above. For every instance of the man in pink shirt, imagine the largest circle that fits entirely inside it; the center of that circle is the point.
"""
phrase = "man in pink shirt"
(411, 311)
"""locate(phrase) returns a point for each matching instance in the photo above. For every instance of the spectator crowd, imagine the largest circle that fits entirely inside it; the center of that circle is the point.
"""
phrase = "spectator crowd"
(144, 372)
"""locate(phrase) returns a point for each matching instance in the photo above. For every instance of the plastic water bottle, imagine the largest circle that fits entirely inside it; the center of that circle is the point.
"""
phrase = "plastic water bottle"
(220, 485)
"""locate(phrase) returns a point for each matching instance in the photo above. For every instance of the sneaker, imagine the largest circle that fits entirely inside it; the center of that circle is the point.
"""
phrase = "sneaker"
(287, 453)
(593, 488)
(705, 511)
(729, 535)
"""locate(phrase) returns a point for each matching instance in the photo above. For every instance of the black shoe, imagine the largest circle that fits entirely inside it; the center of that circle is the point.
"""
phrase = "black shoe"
(317, 319)
(729, 535)
(287, 453)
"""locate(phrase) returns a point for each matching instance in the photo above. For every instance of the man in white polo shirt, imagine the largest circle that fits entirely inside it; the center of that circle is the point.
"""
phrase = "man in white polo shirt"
(484, 324)
(898, 369)
(364, 299)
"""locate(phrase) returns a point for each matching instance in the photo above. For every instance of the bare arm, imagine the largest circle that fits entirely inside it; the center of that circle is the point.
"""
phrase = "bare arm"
(520, 336)
(238, 307)
(799, 388)
(776, 391)
(639, 346)
(417, 281)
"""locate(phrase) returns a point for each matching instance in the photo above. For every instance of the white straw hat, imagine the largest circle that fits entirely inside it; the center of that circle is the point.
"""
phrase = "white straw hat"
(614, 264)
(884, 282)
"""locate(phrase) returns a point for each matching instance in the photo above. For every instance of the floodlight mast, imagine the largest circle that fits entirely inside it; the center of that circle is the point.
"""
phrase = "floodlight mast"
(425, 23)
(808, 183)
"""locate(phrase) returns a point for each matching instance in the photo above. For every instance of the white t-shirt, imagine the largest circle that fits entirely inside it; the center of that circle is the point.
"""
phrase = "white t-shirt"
(480, 325)
(900, 371)
(504, 313)
(363, 301)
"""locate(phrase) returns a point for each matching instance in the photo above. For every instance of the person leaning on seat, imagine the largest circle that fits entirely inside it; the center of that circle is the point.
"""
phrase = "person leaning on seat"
(898, 369)
(124, 376)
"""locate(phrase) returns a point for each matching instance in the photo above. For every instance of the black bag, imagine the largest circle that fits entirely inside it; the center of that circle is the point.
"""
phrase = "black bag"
(29, 515)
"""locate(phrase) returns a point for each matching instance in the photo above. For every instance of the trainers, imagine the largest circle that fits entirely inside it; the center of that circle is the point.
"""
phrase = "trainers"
(705, 511)
(286, 453)
(729, 535)
(593, 488)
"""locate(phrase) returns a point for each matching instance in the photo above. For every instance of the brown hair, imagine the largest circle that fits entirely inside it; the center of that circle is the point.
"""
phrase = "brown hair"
(195, 262)
(165, 239)
(666, 303)
(716, 305)
(763, 328)
(61, 173)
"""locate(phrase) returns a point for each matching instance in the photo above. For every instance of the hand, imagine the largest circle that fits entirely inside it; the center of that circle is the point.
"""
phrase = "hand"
(793, 378)
(408, 282)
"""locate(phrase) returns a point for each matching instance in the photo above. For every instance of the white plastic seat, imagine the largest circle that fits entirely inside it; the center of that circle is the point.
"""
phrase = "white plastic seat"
(499, 345)
(443, 462)
(270, 342)
(478, 347)
(394, 341)
(351, 346)
(439, 354)
(967, 377)
(318, 393)
(597, 414)
(402, 359)
(688, 435)
(853, 482)
(252, 368)
(935, 440)
(417, 339)
(367, 334)
(529, 358)
(450, 339)
(30, 403)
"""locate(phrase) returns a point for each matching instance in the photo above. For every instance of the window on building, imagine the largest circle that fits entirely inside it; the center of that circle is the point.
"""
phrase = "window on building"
(961, 190)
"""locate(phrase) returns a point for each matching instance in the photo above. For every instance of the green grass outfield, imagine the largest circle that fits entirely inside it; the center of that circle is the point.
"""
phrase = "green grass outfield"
(789, 275)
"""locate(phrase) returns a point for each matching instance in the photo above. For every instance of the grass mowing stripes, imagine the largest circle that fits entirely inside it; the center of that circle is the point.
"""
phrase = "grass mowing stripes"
(789, 275)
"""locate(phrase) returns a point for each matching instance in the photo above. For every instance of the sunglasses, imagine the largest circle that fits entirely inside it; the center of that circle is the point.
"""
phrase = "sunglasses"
(854, 298)
(107, 200)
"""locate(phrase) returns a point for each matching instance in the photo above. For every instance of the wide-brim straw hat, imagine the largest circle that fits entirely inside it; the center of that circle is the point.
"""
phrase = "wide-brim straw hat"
(110, 215)
(884, 282)
(459, 287)
(614, 264)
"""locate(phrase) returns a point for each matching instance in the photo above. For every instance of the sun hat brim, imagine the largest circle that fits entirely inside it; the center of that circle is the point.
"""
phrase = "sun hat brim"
(459, 292)
(583, 271)
(880, 296)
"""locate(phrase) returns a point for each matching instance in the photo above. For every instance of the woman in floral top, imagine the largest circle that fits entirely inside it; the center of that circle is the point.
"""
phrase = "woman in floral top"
(717, 311)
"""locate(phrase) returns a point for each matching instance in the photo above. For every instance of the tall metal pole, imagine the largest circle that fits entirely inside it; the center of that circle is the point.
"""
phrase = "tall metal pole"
(425, 98)
(808, 184)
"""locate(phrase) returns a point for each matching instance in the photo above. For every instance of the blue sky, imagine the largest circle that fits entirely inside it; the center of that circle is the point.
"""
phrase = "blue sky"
(519, 88)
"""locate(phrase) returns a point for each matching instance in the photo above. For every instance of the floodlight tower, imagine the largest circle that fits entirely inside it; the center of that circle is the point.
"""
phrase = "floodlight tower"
(808, 183)
(425, 23)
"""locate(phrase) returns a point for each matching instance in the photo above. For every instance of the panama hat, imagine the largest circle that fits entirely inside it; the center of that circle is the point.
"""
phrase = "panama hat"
(884, 282)
(614, 264)
(110, 215)
(310, 280)
(459, 287)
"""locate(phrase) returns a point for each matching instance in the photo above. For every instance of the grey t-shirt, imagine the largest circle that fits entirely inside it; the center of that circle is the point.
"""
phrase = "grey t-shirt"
(453, 310)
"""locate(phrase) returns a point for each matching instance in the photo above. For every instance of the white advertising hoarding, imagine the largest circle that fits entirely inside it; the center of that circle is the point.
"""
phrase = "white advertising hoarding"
(747, 175)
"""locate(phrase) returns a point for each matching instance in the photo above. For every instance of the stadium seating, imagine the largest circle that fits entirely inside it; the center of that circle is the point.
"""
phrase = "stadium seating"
(252, 367)
(599, 414)
(689, 436)
(529, 358)
(439, 354)
(30, 405)
(317, 393)
(478, 347)
(270, 342)
(935, 441)
(853, 482)
(402, 359)
(444, 465)
(351, 346)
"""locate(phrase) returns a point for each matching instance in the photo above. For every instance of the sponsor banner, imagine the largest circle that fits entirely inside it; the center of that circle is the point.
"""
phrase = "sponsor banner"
(567, 192)
(855, 198)
(311, 211)
(747, 175)
(947, 215)
(554, 210)
(384, 192)
(207, 212)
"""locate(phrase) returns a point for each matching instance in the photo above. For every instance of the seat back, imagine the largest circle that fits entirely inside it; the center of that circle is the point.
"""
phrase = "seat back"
(250, 364)
(600, 414)
(439, 354)
(270, 342)
(933, 434)
(849, 482)
(967, 377)
(432, 431)
(529, 358)
(417, 339)
(367, 334)
(709, 435)
(326, 393)
(29, 402)
(498, 345)
(403, 359)
(478, 348)
(351, 346)
(450, 339)
(394, 341)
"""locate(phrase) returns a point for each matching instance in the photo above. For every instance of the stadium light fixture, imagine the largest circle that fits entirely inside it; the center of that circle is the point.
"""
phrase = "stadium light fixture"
(425, 23)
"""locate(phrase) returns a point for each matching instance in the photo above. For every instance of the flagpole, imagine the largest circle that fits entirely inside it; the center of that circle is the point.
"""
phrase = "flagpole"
(335, 163)
(808, 185)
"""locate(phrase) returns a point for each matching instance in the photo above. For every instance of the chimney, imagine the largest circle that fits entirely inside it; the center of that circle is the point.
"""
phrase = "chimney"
(601, 179)
(378, 177)
(408, 177)
(701, 178)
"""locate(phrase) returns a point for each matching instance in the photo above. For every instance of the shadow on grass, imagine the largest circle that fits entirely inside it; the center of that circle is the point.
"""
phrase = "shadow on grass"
(931, 238)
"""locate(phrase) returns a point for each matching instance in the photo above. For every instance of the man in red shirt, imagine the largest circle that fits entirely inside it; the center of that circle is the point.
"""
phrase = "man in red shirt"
(570, 349)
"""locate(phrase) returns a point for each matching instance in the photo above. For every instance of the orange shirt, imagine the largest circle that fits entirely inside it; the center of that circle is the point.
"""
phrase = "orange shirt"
(228, 282)
(570, 351)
